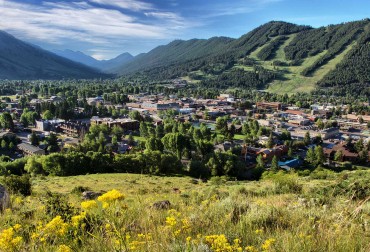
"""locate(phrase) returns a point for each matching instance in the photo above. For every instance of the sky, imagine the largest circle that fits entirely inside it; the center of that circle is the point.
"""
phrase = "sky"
(106, 28)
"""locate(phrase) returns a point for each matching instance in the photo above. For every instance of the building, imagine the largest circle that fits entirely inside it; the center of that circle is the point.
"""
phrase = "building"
(278, 151)
(30, 150)
(73, 128)
(298, 121)
(160, 106)
(287, 165)
(125, 123)
(329, 133)
(95, 101)
(357, 118)
(7, 134)
(48, 125)
(347, 155)
(269, 106)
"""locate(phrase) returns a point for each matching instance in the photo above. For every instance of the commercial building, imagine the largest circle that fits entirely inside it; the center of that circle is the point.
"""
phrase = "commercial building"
(126, 124)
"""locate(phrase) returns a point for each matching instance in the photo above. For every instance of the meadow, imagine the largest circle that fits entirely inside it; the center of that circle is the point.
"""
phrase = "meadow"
(324, 211)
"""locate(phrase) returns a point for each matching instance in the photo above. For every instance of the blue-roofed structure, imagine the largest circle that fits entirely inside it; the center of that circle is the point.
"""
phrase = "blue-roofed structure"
(293, 163)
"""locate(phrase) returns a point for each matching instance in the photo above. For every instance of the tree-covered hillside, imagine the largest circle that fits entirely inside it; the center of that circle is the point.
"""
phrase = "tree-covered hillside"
(280, 56)
(20, 60)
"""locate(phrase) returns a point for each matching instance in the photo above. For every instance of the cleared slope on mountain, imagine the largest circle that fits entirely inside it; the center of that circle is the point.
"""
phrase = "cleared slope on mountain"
(20, 60)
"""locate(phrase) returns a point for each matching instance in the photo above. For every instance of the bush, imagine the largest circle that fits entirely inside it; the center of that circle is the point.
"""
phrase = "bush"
(79, 189)
(216, 180)
(284, 182)
(321, 173)
(18, 184)
(56, 204)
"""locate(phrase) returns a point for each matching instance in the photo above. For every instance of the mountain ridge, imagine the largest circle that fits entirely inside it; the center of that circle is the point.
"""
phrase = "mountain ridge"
(275, 54)
(102, 65)
(22, 60)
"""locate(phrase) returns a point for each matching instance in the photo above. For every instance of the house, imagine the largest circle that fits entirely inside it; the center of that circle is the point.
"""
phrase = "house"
(224, 146)
(329, 133)
(30, 150)
(267, 154)
(7, 134)
(347, 155)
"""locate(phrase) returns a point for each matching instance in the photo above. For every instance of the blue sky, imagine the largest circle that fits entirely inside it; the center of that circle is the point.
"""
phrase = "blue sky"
(106, 28)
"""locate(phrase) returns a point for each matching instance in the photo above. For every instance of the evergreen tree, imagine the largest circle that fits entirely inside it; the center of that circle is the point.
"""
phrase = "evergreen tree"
(338, 156)
(4, 144)
(310, 156)
(307, 138)
(270, 142)
(274, 164)
(260, 162)
(319, 156)
(34, 139)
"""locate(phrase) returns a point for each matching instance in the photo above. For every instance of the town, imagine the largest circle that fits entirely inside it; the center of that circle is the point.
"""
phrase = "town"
(264, 135)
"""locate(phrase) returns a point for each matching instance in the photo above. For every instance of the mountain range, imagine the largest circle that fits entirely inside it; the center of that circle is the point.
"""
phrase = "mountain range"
(21, 60)
(278, 56)
(103, 65)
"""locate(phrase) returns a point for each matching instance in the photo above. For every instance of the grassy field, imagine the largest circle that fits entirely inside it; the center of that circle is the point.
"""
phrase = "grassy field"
(283, 212)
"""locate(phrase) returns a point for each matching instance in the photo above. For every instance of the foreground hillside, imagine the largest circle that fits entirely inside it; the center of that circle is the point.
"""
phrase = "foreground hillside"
(20, 60)
(283, 57)
(283, 212)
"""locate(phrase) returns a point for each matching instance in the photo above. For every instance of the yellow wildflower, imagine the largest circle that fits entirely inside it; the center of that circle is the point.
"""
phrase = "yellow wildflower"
(9, 241)
(219, 243)
(188, 239)
(105, 205)
(177, 232)
(17, 227)
(259, 231)
(171, 221)
(64, 248)
(268, 243)
(90, 204)
(78, 219)
(18, 200)
(110, 196)
(56, 227)
(250, 249)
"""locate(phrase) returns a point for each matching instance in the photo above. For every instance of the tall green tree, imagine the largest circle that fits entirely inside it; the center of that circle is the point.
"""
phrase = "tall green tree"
(319, 156)
(6, 121)
(274, 164)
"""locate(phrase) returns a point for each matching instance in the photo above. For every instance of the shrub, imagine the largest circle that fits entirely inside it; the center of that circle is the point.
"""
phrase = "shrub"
(321, 173)
(216, 180)
(80, 189)
(57, 205)
(284, 182)
(18, 184)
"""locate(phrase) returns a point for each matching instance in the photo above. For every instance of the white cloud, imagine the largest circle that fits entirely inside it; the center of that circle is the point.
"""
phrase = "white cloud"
(81, 22)
(237, 7)
(125, 4)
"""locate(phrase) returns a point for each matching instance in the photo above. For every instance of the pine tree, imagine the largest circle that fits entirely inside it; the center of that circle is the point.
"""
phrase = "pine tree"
(260, 162)
(319, 155)
(274, 164)
(310, 156)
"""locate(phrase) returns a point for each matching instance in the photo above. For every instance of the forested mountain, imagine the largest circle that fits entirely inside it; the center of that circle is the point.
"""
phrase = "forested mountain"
(178, 51)
(103, 65)
(20, 60)
(277, 55)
